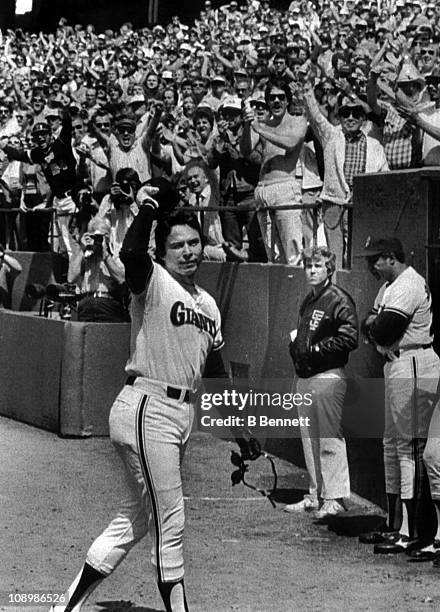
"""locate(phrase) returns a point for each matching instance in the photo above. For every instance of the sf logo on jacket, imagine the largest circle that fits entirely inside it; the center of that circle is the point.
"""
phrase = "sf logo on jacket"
(315, 319)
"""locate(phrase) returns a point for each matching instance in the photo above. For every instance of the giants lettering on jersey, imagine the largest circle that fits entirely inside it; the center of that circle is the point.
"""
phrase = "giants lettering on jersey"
(182, 315)
(315, 319)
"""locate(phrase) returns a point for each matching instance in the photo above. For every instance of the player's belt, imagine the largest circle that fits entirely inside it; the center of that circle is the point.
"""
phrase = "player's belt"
(415, 347)
(171, 392)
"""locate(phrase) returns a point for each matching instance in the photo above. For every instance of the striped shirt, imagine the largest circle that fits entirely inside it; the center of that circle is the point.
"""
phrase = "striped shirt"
(355, 156)
(135, 158)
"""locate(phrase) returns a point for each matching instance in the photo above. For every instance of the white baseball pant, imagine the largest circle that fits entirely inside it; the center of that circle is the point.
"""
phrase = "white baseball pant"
(149, 431)
(410, 391)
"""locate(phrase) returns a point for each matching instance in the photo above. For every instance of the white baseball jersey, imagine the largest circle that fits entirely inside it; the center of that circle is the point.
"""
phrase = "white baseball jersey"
(172, 331)
(409, 296)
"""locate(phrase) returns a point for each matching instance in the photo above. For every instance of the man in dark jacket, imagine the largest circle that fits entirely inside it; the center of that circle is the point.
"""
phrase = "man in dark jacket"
(327, 332)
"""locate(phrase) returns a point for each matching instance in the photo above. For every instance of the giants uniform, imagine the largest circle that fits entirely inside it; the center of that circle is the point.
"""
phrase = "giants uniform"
(411, 377)
(150, 421)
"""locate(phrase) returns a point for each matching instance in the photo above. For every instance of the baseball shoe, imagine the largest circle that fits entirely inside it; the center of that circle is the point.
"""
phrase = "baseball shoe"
(308, 504)
(330, 507)
(428, 553)
(404, 543)
(379, 537)
(436, 561)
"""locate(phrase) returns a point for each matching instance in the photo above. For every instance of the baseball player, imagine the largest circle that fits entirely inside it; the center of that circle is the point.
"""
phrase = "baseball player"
(400, 327)
(175, 340)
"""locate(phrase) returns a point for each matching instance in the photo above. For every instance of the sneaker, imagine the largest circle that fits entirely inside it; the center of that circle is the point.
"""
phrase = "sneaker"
(308, 504)
(330, 507)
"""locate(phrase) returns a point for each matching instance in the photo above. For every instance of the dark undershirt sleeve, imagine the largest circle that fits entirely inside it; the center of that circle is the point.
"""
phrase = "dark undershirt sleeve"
(388, 327)
(134, 251)
(214, 367)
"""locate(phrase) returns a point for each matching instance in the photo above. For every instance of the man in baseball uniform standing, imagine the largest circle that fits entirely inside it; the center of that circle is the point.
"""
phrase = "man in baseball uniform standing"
(400, 327)
(175, 340)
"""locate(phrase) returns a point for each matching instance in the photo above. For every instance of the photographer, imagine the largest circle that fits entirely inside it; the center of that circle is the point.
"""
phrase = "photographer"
(86, 209)
(119, 206)
(99, 275)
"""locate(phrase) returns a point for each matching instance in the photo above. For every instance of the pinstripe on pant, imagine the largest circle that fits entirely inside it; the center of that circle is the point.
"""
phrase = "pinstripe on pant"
(410, 391)
(149, 431)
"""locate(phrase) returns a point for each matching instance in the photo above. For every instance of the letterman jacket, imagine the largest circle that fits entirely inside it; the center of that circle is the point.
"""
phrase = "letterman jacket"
(327, 331)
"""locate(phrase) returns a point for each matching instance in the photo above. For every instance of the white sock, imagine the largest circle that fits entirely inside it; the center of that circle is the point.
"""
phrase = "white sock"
(404, 530)
(437, 511)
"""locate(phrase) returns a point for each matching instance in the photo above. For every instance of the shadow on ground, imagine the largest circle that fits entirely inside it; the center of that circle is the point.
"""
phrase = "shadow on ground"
(353, 526)
(122, 606)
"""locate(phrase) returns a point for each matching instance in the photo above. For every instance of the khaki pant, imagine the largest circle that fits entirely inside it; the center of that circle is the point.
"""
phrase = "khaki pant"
(288, 224)
(323, 442)
(335, 219)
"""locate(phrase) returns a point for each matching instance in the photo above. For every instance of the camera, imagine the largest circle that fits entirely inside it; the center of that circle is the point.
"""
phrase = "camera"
(65, 295)
(124, 197)
(84, 198)
(98, 239)
(96, 247)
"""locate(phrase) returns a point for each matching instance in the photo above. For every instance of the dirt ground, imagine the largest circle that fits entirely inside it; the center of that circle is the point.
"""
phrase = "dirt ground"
(241, 554)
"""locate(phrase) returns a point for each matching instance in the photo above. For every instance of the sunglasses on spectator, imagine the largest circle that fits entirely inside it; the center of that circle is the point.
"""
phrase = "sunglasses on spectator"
(102, 125)
(126, 130)
(198, 84)
(430, 52)
(357, 112)
(281, 97)
(4, 111)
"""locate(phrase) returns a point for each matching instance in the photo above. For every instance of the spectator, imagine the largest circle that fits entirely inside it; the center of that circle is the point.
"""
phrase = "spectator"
(204, 192)
(8, 123)
(127, 152)
(347, 151)
(238, 179)
(281, 138)
(119, 207)
(34, 218)
(55, 156)
(99, 275)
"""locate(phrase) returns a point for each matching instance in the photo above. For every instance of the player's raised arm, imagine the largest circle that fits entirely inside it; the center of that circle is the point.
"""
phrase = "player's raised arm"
(134, 251)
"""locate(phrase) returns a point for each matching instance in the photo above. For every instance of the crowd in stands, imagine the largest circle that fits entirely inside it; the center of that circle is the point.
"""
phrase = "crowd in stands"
(249, 108)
